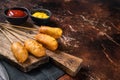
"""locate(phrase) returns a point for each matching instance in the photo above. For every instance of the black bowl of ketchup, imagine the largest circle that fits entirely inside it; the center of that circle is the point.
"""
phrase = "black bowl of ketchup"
(16, 15)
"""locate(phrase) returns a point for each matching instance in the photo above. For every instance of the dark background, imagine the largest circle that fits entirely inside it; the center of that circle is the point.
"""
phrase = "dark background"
(91, 31)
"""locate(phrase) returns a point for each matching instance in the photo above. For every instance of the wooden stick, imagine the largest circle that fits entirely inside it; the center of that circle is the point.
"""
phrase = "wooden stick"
(20, 32)
(14, 34)
(26, 28)
(6, 36)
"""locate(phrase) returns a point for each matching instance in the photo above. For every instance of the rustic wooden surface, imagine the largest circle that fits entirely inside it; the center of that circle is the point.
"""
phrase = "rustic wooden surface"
(13, 33)
(91, 31)
(70, 64)
(5, 52)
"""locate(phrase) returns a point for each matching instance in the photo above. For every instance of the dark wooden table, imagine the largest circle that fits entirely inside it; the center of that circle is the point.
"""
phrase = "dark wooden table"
(91, 32)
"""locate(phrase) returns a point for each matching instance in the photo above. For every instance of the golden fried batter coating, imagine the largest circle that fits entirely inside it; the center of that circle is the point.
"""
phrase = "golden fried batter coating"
(48, 41)
(19, 51)
(52, 31)
(35, 48)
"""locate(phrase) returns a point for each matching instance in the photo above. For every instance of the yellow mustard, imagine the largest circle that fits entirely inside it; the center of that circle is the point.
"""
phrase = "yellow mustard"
(40, 15)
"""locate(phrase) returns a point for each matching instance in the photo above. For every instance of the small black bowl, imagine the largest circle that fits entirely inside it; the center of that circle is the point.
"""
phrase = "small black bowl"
(40, 21)
(16, 20)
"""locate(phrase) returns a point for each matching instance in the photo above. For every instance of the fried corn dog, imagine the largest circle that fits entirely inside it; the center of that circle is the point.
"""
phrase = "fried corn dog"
(52, 31)
(19, 51)
(35, 48)
(48, 41)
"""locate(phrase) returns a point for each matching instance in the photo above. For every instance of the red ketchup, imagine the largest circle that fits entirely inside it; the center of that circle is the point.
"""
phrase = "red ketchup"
(16, 13)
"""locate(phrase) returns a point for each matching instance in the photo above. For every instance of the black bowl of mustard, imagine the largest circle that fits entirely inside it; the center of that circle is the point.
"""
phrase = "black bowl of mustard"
(16, 15)
(40, 16)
